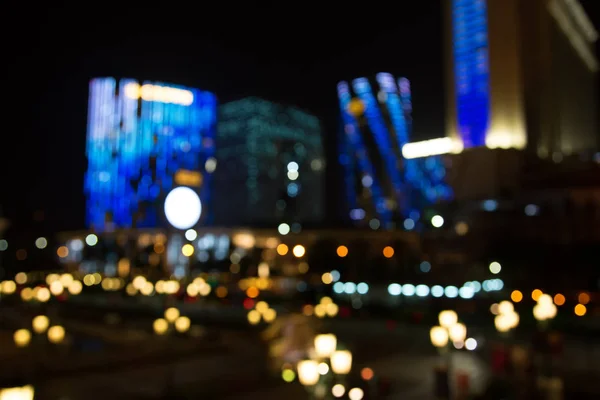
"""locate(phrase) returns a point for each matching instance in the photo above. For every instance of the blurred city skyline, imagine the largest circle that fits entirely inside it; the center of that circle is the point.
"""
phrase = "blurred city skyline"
(293, 62)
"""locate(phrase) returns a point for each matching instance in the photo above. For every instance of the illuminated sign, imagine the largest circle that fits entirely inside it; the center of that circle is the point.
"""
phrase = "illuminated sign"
(188, 178)
(471, 69)
(431, 147)
(163, 94)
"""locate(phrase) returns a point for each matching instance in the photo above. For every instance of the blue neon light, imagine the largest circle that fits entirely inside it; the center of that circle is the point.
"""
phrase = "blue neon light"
(470, 38)
(138, 137)
(354, 138)
(380, 133)
(415, 183)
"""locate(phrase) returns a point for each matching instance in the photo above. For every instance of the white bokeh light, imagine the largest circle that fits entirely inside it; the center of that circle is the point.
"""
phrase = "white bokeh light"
(437, 221)
(183, 207)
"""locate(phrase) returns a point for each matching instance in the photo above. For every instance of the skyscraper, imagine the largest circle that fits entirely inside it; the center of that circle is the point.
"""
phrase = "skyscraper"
(270, 165)
(381, 185)
(143, 141)
(522, 74)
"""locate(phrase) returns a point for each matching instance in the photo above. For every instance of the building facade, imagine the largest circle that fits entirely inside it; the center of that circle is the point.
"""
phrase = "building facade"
(522, 74)
(383, 186)
(143, 141)
(270, 165)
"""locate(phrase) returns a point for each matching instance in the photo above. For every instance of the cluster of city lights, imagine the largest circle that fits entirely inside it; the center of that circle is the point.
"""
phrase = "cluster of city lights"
(450, 330)
(263, 312)
(546, 304)
(467, 291)
(325, 308)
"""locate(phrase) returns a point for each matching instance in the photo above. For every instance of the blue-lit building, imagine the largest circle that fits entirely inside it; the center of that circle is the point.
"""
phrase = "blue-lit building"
(143, 140)
(522, 75)
(270, 165)
(382, 188)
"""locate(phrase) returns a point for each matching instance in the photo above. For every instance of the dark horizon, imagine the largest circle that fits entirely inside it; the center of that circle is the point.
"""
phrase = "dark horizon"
(299, 65)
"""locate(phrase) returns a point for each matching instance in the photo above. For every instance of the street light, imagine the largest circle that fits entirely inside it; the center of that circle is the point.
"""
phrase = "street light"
(56, 334)
(545, 309)
(356, 394)
(448, 318)
(457, 332)
(40, 324)
(341, 362)
(22, 338)
(17, 393)
(439, 337)
(308, 372)
(325, 345)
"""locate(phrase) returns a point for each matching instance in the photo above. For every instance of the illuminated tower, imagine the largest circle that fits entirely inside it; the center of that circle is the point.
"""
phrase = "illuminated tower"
(270, 165)
(143, 141)
(521, 74)
(382, 187)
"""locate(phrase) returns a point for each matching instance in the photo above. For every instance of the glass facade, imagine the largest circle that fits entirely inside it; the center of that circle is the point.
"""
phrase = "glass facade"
(382, 188)
(471, 64)
(270, 165)
(142, 141)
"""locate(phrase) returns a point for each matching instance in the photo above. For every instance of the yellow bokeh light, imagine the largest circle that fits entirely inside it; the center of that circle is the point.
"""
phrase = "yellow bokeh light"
(171, 314)
(40, 324)
(187, 250)
(327, 278)
(282, 249)
(8, 287)
(320, 310)
(331, 309)
(51, 278)
(580, 310)
(160, 326)
(269, 315)
(75, 288)
(22, 337)
(27, 294)
(262, 306)
(298, 250)
(182, 324)
(56, 334)
(388, 252)
(536, 294)
(253, 317)
(42, 295)
(559, 299)
(56, 288)
(326, 300)
(21, 278)
(342, 251)
(516, 296)
(66, 279)
(583, 298)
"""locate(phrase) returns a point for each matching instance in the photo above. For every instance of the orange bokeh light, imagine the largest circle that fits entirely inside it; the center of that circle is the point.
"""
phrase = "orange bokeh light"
(580, 310)
(388, 252)
(516, 296)
(62, 251)
(252, 292)
(559, 299)
(366, 373)
(536, 294)
(583, 298)
(282, 249)
(342, 251)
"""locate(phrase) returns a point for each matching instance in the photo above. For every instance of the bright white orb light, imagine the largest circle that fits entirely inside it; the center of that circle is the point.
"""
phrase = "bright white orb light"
(437, 221)
(183, 207)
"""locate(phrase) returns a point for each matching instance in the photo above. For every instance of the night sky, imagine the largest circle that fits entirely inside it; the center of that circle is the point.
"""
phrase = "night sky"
(292, 54)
